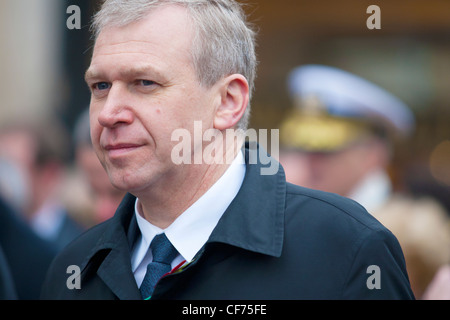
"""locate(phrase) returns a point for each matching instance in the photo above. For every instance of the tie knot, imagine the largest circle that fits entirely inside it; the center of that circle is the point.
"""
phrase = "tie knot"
(162, 249)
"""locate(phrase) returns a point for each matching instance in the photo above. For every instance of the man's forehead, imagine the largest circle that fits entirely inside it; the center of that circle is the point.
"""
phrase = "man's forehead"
(166, 20)
(162, 37)
(165, 30)
(126, 71)
(130, 46)
(134, 58)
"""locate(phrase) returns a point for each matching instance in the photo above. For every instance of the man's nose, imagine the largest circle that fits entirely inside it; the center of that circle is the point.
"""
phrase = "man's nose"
(117, 109)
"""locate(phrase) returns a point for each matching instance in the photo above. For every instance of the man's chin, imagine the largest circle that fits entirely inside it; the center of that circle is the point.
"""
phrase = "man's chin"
(127, 184)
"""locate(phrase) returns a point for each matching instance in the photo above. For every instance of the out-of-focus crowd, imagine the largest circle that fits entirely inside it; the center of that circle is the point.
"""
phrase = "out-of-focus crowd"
(52, 188)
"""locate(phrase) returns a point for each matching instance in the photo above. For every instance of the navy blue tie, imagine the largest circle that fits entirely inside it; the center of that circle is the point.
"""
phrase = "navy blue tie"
(163, 254)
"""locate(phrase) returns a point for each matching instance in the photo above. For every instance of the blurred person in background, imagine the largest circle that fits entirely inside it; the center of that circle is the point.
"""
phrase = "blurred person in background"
(439, 288)
(339, 138)
(39, 153)
(7, 286)
(104, 197)
(13, 184)
(24, 256)
(423, 230)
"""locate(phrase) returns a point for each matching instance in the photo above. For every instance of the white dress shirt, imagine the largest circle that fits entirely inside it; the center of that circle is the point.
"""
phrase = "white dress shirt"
(190, 231)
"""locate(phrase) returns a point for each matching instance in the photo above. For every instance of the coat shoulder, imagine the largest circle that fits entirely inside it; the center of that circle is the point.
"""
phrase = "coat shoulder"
(329, 208)
(80, 247)
(350, 241)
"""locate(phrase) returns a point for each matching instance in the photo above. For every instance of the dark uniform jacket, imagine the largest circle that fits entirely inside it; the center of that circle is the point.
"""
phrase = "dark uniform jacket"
(275, 241)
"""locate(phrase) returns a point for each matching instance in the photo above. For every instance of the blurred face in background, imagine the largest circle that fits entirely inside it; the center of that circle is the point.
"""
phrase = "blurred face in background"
(338, 171)
(106, 198)
(42, 177)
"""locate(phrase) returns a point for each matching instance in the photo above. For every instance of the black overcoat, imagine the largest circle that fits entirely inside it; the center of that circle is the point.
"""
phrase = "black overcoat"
(275, 241)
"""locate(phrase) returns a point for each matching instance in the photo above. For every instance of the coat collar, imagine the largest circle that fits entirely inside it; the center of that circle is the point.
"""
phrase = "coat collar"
(113, 251)
(255, 218)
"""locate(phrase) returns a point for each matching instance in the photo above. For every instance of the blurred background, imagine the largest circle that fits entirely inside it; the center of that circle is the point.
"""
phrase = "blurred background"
(409, 56)
(43, 64)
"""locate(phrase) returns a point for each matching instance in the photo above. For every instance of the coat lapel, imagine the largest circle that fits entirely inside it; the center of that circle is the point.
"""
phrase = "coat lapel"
(115, 269)
(253, 225)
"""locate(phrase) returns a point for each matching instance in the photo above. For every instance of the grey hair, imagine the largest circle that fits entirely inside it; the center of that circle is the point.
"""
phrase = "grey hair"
(223, 44)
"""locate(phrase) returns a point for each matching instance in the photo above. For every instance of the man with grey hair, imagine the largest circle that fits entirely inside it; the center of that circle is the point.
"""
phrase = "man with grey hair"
(219, 230)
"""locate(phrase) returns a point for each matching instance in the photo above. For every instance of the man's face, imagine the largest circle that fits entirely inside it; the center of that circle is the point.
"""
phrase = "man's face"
(143, 88)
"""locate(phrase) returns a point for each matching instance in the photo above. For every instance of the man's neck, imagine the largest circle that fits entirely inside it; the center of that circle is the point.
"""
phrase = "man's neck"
(162, 205)
(166, 200)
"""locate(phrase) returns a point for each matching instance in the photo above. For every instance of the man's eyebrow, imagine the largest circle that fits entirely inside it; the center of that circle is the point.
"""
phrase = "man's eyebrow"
(135, 71)
(90, 74)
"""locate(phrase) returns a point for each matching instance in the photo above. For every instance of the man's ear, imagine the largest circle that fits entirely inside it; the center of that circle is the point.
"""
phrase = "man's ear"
(234, 93)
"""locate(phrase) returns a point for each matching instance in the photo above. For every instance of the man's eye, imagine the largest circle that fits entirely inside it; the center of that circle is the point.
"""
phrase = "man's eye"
(102, 86)
(147, 82)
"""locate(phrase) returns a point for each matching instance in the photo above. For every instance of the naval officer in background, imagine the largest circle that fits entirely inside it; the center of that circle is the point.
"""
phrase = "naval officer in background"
(341, 132)
(340, 138)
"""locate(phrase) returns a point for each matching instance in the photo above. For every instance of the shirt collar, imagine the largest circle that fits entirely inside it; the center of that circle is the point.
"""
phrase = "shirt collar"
(190, 231)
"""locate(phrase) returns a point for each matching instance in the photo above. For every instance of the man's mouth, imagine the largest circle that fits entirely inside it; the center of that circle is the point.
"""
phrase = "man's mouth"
(119, 149)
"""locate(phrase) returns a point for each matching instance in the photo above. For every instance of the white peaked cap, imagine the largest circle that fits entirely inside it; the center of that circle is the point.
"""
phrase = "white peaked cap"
(343, 94)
